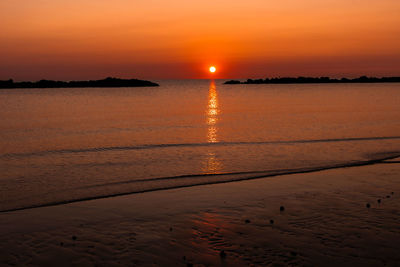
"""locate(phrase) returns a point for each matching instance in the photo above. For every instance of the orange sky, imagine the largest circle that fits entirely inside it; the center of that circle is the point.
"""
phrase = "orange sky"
(157, 39)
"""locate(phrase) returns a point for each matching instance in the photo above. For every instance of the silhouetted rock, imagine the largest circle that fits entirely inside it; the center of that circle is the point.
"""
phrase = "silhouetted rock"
(108, 82)
(232, 82)
(6, 84)
(290, 80)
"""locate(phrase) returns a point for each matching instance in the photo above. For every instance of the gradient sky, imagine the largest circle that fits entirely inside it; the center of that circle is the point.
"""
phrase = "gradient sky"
(155, 39)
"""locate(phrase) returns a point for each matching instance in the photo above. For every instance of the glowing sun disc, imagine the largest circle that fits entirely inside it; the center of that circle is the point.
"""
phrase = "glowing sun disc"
(212, 69)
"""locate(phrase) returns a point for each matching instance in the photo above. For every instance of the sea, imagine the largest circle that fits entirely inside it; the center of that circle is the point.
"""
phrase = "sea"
(63, 145)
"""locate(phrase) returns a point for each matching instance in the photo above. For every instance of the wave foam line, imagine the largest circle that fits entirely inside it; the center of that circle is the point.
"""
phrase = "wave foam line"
(257, 175)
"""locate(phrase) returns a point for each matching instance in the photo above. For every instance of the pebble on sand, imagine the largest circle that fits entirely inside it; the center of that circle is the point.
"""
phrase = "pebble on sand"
(282, 208)
(222, 254)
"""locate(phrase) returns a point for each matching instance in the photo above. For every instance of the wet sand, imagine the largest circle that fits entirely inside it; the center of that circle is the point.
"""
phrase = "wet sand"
(329, 218)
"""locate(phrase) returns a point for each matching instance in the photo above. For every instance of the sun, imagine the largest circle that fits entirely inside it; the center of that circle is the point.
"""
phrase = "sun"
(212, 69)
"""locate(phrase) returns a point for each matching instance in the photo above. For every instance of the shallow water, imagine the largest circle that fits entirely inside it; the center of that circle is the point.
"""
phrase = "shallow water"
(61, 145)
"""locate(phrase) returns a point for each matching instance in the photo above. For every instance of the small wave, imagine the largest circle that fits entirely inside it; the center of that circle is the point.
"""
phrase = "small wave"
(198, 179)
(216, 144)
(387, 157)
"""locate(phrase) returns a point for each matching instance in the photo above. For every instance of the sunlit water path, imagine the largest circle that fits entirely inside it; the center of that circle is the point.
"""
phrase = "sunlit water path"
(63, 145)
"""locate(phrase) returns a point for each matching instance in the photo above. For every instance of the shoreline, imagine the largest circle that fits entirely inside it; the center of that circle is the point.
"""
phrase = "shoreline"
(251, 176)
(325, 222)
(316, 80)
(108, 82)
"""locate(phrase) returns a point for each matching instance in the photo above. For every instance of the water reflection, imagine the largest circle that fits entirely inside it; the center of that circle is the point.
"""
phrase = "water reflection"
(213, 165)
(212, 114)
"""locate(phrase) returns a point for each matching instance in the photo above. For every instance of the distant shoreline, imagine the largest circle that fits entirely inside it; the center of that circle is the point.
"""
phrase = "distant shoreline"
(299, 80)
(108, 82)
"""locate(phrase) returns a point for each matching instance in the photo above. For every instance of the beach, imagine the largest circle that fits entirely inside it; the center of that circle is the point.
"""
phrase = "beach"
(198, 173)
(199, 133)
(325, 221)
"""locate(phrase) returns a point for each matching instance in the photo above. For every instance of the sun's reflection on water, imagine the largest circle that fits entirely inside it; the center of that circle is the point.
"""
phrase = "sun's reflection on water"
(212, 164)
(212, 114)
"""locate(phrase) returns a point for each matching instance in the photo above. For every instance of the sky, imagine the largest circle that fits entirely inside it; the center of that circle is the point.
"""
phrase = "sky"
(158, 39)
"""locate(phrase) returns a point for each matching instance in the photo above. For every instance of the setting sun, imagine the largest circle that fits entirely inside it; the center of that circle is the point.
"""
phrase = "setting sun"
(212, 69)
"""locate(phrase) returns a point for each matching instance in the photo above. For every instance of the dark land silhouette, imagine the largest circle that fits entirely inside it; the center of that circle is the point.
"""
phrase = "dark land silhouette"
(108, 82)
(289, 80)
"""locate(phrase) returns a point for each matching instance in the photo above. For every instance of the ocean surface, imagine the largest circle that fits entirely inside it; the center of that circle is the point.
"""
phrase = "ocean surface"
(64, 145)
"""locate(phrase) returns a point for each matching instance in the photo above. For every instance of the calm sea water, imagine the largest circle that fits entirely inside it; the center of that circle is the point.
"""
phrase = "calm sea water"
(61, 145)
